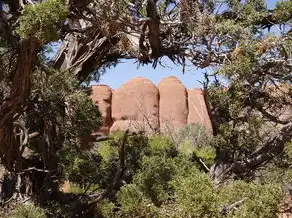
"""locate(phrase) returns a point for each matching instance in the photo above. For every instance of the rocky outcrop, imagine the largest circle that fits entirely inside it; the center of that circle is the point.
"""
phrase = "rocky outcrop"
(139, 105)
(135, 106)
(102, 96)
(198, 112)
(173, 104)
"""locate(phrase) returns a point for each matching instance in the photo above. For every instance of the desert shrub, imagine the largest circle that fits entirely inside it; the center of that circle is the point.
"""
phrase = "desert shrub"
(163, 181)
(162, 146)
(195, 195)
(81, 167)
(29, 211)
(135, 203)
(194, 140)
(96, 167)
(194, 133)
(154, 177)
(261, 200)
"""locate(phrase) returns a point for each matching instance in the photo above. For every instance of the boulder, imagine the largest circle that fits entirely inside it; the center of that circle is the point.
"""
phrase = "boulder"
(102, 97)
(198, 112)
(136, 100)
(173, 104)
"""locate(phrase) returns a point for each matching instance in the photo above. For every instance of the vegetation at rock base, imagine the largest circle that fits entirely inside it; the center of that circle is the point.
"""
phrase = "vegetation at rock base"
(242, 170)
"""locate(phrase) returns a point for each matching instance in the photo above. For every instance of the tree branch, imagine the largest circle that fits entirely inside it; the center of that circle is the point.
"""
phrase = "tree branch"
(234, 206)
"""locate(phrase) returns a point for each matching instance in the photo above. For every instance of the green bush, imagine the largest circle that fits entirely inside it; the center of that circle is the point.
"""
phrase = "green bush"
(262, 200)
(29, 211)
(154, 177)
(43, 20)
(161, 181)
(195, 195)
(162, 146)
(195, 133)
(135, 203)
(194, 140)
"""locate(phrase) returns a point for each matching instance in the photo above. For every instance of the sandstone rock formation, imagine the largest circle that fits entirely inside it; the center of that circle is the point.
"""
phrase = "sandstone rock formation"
(173, 104)
(198, 112)
(135, 106)
(102, 96)
(139, 105)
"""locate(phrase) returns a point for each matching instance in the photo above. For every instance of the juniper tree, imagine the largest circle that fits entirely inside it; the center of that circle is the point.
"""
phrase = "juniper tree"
(44, 109)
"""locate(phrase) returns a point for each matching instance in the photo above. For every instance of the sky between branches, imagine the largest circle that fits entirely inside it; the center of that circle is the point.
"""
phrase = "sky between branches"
(127, 70)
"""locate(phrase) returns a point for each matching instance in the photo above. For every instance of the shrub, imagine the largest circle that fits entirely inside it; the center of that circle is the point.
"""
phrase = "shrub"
(134, 203)
(195, 134)
(29, 211)
(154, 177)
(262, 200)
(162, 146)
(195, 195)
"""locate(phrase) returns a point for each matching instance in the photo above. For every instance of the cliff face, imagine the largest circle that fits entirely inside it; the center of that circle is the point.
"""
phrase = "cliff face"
(139, 105)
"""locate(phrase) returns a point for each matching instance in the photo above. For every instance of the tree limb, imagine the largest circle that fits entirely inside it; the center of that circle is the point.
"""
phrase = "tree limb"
(234, 206)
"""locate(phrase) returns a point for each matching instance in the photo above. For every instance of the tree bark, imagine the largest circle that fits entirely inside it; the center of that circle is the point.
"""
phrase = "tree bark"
(83, 56)
(21, 84)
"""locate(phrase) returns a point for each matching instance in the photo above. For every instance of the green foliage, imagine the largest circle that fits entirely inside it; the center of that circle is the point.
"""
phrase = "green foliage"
(283, 11)
(57, 98)
(154, 177)
(251, 12)
(173, 186)
(134, 203)
(59, 210)
(107, 151)
(194, 141)
(84, 168)
(229, 27)
(29, 211)
(278, 171)
(206, 154)
(162, 177)
(194, 133)
(43, 20)
(254, 11)
(237, 137)
(261, 200)
(195, 195)
(77, 189)
(97, 167)
(84, 116)
(59, 93)
(106, 209)
(162, 146)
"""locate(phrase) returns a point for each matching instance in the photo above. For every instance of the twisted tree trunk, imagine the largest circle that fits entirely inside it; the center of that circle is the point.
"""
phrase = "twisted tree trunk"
(12, 106)
(83, 56)
(11, 146)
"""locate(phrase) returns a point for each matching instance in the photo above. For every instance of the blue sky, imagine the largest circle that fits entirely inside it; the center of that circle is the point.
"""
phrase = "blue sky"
(127, 70)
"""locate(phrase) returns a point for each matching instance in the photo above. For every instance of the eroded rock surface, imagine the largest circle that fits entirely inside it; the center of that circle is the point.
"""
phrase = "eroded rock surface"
(173, 104)
(102, 96)
(198, 112)
(135, 105)
(139, 105)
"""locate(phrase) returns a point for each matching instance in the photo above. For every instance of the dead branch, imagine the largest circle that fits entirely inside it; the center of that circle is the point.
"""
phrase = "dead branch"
(36, 169)
(149, 41)
(234, 206)
(199, 160)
